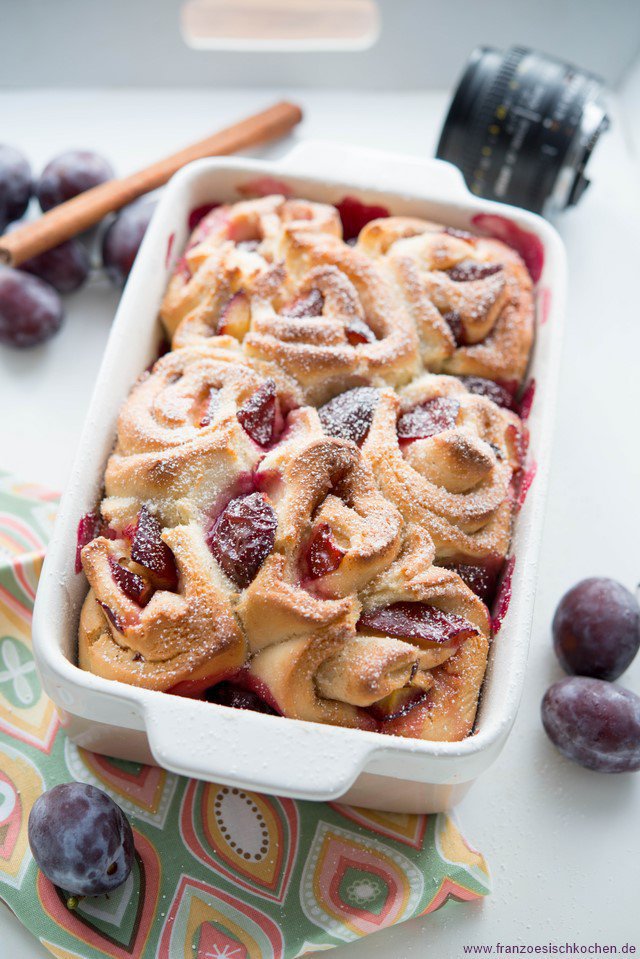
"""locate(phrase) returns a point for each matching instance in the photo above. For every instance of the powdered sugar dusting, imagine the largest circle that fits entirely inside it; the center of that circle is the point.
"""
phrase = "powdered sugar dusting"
(318, 551)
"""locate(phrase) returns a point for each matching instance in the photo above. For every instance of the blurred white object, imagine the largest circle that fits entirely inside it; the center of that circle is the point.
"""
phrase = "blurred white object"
(422, 44)
(286, 25)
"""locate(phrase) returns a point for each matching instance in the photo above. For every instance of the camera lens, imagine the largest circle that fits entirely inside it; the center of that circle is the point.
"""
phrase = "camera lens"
(522, 127)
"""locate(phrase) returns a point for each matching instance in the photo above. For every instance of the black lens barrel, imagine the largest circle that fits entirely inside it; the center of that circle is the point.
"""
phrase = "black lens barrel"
(522, 126)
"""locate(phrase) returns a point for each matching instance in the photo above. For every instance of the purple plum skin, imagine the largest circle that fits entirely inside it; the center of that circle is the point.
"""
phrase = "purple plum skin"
(65, 267)
(123, 237)
(30, 309)
(15, 185)
(69, 174)
(81, 839)
(594, 723)
(596, 629)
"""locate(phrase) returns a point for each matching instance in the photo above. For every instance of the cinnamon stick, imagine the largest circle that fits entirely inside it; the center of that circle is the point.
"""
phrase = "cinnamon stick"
(86, 209)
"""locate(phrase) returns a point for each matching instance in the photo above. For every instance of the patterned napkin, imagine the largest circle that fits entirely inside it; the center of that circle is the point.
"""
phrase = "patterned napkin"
(220, 873)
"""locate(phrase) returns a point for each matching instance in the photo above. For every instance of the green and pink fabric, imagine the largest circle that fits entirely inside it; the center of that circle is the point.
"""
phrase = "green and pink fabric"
(220, 873)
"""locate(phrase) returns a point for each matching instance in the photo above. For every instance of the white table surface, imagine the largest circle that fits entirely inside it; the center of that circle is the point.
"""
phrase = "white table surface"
(563, 844)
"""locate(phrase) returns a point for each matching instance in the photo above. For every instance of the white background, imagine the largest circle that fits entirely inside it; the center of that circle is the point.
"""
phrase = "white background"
(423, 44)
(562, 843)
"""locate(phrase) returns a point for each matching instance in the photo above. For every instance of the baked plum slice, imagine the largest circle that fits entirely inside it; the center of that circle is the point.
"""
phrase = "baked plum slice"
(260, 416)
(132, 584)
(349, 415)
(243, 536)
(468, 270)
(480, 575)
(428, 626)
(227, 694)
(501, 394)
(430, 418)
(355, 215)
(322, 554)
(149, 550)
(358, 332)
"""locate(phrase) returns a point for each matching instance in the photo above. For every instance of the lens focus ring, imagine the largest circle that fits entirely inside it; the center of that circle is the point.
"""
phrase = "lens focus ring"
(518, 128)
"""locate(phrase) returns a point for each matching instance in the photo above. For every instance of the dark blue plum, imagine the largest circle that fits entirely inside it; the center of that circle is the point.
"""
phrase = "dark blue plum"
(15, 185)
(81, 839)
(69, 174)
(594, 723)
(123, 237)
(66, 267)
(596, 628)
(30, 309)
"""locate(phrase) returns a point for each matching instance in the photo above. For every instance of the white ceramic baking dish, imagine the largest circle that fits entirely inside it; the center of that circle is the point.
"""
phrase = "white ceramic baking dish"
(254, 751)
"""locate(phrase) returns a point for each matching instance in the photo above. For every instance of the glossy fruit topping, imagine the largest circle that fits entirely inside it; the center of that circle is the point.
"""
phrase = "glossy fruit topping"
(131, 584)
(468, 270)
(322, 555)
(500, 394)
(122, 239)
(504, 592)
(89, 526)
(428, 419)
(594, 723)
(81, 839)
(355, 215)
(358, 332)
(69, 174)
(15, 185)
(525, 402)
(243, 536)
(481, 577)
(226, 694)
(235, 316)
(259, 415)
(305, 306)
(528, 245)
(596, 628)
(149, 550)
(426, 624)
(349, 415)
(30, 310)
(198, 213)
(398, 703)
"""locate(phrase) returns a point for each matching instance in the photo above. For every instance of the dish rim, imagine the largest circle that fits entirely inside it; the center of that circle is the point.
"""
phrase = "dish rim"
(442, 186)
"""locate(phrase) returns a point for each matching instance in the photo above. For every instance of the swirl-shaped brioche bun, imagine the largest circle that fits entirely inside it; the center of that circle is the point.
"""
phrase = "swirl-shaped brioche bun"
(304, 501)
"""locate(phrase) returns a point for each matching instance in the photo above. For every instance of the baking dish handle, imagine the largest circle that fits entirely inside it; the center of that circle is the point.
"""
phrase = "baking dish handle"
(253, 751)
(382, 169)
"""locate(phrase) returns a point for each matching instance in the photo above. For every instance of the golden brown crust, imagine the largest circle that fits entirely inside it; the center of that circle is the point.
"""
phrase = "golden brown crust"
(324, 589)
(233, 249)
(456, 483)
(288, 670)
(358, 332)
(170, 640)
(475, 326)
(456, 672)
(179, 440)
